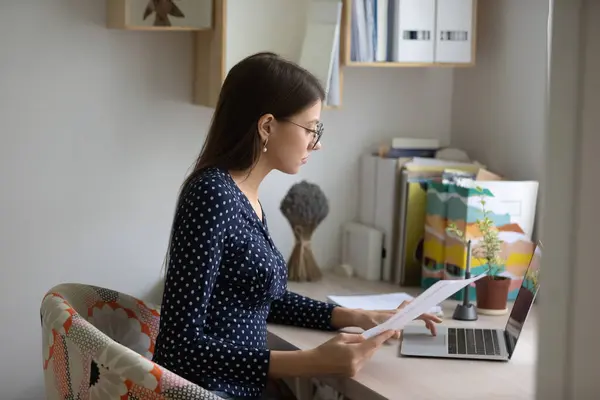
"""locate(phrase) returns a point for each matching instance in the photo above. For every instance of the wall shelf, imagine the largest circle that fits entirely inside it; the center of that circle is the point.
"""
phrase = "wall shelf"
(226, 31)
(243, 27)
(426, 33)
(159, 15)
(392, 64)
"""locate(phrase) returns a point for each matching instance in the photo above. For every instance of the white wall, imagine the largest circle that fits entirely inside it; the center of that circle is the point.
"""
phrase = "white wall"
(97, 132)
(568, 345)
(498, 107)
(584, 344)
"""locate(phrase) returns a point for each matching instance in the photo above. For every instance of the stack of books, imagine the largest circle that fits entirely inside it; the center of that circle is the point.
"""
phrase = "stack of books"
(394, 182)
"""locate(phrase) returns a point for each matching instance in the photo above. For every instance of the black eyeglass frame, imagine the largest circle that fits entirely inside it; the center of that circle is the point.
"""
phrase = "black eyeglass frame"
(317, 132)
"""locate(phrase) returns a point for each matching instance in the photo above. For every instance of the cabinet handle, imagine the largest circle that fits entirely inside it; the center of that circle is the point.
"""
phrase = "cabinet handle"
(454, 36)
(416, 35)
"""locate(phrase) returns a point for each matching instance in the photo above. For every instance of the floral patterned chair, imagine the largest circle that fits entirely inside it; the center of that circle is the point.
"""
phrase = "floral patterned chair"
(98, 343)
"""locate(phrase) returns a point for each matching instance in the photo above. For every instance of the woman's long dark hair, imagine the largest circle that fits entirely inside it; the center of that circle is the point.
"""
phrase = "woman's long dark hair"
(260, 84)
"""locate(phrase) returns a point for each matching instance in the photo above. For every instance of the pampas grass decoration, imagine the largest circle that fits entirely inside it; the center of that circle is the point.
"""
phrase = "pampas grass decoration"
(305, 207)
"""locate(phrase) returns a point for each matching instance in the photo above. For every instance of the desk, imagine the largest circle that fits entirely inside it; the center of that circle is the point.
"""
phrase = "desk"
(388, 376)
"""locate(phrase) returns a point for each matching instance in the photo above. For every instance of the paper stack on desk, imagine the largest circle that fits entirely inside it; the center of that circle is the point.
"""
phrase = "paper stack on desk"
(437, 293)
(387, 301)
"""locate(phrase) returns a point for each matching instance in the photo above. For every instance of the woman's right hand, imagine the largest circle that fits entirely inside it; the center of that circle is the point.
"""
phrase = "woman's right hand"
(346, 353)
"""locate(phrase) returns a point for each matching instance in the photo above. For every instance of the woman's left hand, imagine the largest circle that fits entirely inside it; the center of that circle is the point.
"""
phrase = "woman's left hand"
(367, 319)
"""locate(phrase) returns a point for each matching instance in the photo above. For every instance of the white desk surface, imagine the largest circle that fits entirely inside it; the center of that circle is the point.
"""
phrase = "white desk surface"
(388, 376)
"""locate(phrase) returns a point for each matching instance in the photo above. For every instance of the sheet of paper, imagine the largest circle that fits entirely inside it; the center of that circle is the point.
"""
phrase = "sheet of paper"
(436, 294)
(387, 301)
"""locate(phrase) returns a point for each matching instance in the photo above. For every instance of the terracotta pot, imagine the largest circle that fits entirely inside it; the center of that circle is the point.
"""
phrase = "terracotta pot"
(492, 295)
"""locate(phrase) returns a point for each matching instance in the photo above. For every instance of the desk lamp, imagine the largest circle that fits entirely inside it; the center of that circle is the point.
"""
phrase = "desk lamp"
(466, 311)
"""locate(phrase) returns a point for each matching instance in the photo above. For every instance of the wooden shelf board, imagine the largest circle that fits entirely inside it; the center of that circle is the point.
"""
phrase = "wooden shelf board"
(392, 64)
(159, 28)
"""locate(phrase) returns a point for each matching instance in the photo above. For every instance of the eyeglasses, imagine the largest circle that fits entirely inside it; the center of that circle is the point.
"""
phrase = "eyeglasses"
(317, 132)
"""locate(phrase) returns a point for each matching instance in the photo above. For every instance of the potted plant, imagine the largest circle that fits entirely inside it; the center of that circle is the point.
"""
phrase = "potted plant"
(491, 290)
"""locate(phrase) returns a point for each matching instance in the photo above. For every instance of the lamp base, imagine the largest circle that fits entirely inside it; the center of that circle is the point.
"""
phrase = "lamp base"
(466, 312)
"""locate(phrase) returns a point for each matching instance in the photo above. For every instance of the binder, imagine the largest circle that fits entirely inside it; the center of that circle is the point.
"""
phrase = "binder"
(367, 189)
(362, 50)
(381, 25)
(362, 249)
(454, 31)
(414, 31)
(378, 203)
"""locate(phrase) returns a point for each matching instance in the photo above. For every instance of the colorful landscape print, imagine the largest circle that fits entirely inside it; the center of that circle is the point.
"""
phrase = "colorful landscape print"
(444, 256)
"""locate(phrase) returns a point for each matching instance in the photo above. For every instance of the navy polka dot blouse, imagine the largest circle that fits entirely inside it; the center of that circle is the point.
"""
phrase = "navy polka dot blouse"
(225, 281)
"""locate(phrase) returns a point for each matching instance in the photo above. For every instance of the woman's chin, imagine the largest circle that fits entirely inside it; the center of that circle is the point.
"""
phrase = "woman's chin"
(290, 170)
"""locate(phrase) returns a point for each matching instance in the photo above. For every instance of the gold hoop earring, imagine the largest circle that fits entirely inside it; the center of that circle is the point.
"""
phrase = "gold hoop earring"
(265, 146)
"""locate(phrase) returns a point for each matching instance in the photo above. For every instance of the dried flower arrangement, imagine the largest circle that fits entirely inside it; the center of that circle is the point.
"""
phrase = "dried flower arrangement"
(305, 207)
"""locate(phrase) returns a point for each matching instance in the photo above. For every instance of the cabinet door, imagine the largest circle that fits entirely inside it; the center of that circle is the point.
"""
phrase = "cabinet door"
(320, 49)
(414, 31)
(304, 31)
(264, 25)
(454, 31)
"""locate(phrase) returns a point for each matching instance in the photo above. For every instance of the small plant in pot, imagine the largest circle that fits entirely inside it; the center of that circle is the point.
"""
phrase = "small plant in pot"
(491, 290)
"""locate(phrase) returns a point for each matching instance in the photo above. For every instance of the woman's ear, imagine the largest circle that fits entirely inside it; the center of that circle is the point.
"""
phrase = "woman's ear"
(265, 126)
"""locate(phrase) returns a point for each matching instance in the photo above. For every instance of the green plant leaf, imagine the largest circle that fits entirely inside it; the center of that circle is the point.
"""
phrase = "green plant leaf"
(491, 243)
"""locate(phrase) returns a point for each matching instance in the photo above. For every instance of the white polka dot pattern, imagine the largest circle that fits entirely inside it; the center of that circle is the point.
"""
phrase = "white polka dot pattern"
(225, 280)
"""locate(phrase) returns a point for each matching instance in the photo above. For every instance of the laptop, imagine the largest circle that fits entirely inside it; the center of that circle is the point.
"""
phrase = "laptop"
(474, 343)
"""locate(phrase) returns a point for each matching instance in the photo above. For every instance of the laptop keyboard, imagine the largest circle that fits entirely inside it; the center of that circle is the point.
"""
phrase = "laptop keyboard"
(473, 341)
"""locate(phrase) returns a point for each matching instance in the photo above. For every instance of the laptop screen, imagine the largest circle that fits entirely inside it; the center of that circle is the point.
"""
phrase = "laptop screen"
(524, 300)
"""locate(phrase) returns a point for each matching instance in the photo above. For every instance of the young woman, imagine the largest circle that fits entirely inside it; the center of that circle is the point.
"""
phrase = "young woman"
(225, 277)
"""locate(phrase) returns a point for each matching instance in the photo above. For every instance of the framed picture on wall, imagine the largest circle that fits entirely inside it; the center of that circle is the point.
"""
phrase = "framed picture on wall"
(184, 14)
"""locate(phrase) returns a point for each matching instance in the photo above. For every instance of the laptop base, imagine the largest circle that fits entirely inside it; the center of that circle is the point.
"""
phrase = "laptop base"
(417, 341)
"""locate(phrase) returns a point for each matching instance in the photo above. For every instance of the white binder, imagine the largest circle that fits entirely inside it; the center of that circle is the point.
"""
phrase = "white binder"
(414, 33)
(454, 31)
(378, 206)
(362, 248)
(367, 189)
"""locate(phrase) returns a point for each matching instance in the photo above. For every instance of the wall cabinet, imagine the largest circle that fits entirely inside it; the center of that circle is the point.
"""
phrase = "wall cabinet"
(244, 27)
(320, 35)
(163, 15)
(410, 33)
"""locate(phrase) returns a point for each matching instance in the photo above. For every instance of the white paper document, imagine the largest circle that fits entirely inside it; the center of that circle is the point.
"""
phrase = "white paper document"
(436, 294)
(387, 301)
